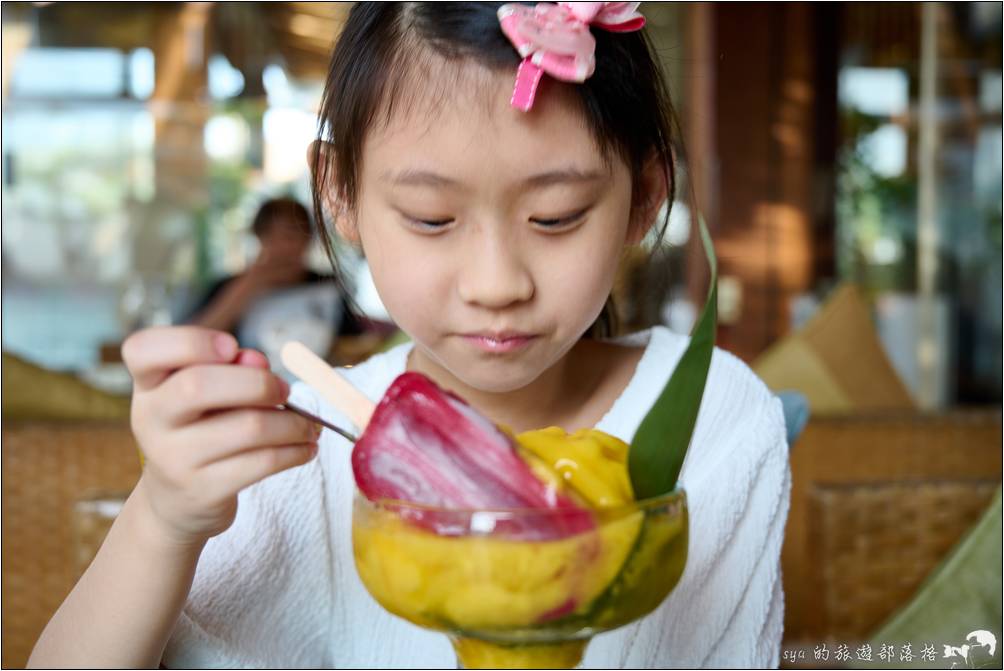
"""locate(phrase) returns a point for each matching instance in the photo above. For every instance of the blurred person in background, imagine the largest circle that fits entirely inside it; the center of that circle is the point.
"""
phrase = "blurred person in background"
(278, 298)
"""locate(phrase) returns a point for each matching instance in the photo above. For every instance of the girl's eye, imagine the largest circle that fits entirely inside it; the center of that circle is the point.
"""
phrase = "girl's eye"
(561, 222)
(429, 225)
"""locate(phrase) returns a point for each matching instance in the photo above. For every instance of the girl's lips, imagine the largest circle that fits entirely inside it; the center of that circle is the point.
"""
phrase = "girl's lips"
(499, 345)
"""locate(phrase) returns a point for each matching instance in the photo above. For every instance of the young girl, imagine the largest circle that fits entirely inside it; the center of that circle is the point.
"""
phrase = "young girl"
(493, 208)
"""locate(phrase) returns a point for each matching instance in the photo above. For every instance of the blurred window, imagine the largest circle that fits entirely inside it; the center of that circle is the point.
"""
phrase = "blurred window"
(91, 73)
(880, 188)
(119, 208)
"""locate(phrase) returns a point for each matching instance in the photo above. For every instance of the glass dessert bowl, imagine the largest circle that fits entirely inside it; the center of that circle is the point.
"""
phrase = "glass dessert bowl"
(520, 588)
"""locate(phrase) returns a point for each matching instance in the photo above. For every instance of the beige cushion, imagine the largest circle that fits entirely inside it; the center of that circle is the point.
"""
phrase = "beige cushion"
(836, 360)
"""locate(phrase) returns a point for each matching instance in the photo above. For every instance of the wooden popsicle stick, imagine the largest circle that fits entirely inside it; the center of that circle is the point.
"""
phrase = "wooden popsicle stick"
(314, 371)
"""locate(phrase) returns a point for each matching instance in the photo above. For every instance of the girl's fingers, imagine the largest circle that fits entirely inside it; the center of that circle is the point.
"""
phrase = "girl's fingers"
(193, 391)
(225, 434)
(151, 355)
(246, 468)
(253, 358)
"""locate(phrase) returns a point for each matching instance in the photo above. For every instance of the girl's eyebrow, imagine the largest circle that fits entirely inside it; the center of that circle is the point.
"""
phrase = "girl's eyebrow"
(562, 176)
(417, 177)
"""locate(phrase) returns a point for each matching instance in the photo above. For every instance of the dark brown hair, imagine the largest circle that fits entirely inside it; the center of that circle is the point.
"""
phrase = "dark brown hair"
(281, 208)
(383, 45)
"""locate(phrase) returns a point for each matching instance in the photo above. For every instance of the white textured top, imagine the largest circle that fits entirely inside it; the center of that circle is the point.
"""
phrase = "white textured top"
(279, 588)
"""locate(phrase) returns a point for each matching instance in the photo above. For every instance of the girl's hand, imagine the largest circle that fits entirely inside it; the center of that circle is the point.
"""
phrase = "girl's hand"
(204, 414)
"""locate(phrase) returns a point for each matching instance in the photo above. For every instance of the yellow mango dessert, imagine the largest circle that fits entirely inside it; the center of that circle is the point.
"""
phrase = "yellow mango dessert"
(526, 587)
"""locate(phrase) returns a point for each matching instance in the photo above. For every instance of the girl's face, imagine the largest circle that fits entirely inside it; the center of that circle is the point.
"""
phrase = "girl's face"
(486, 220)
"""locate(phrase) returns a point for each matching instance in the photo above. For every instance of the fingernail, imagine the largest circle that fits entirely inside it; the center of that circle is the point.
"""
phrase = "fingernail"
(317, 430)
(226, 346)
(313, 450)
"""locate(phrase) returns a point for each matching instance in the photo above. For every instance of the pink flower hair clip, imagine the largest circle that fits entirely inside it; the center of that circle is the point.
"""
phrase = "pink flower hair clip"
(555, 38)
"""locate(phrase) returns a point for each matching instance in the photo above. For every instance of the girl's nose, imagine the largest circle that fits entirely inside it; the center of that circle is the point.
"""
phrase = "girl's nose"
(494, 276)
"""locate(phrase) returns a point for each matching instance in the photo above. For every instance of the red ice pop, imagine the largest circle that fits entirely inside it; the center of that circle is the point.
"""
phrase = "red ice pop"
(425, 445)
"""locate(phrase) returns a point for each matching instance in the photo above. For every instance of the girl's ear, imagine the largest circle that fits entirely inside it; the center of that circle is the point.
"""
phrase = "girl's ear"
(649, 195)
(321, 161)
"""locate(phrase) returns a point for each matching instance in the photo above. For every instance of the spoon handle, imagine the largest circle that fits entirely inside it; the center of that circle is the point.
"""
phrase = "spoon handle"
(313, 370)
(317, 420)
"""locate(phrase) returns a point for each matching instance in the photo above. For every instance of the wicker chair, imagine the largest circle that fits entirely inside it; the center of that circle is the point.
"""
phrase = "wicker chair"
(54, 476)
(877, 503)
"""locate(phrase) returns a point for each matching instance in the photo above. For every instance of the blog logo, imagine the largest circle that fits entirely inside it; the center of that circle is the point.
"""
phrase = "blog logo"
(977, 652)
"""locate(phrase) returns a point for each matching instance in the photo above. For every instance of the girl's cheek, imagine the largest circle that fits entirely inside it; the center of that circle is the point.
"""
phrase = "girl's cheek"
(577, 286)
(408, 281)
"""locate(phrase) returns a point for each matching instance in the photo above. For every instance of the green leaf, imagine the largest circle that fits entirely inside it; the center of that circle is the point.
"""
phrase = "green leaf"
(660, 444)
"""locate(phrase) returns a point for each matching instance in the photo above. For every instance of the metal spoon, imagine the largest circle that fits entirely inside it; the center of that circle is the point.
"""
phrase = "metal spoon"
(317, 420)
